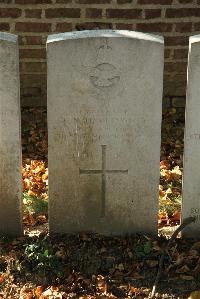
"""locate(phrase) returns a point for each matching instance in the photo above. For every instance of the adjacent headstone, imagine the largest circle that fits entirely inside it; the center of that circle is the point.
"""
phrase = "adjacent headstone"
(10, 153)
(191, 177)
(104, 123)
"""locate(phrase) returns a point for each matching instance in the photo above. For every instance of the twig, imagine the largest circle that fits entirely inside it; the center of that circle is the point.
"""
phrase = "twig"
(185, 222)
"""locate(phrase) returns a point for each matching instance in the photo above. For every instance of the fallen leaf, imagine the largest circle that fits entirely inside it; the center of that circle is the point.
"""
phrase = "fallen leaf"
(38, 291)
(186, 277)
(195, 295)
(1, 279)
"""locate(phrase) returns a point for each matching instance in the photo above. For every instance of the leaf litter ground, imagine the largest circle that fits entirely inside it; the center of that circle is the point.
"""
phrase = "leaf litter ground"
(89, 265)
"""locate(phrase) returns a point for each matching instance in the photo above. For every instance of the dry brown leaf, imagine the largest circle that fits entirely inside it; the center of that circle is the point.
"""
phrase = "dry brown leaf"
(164, 164)
(176, 216)
(152, 263)
(120, 267)
(180, 259)
(183, 269)
(1, 279)
(137, 276)
(186, 277)
(195, 295)
(102, 285)
(39, 291)
(196, 246)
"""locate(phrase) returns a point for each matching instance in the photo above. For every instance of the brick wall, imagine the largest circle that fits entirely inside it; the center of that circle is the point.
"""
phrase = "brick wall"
(33, 20)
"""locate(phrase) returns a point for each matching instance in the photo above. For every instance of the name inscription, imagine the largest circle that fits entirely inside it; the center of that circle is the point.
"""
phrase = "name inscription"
(7, 115)
(195, 136)
(86, 128)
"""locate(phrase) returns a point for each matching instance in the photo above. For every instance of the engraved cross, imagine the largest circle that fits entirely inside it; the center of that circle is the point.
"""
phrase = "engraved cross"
(103, 171)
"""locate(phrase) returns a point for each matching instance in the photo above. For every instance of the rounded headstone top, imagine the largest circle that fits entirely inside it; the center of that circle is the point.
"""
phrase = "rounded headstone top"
(104, 33)
(8, 37)
(194, 39)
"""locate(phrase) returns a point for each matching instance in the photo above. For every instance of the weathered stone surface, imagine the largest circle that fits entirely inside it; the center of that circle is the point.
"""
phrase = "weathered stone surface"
(10, 144)
(104, 122)
(191, 178)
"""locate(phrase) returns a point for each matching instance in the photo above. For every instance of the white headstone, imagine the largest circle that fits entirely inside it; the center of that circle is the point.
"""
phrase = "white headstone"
(10, 145)
(104, 123)
(191, 177)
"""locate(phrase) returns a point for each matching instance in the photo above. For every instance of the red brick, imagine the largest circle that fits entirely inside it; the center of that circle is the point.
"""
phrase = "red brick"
(154, 27)
(167, 53)
(179, 102)
(124, 13)
(31, 40)
(183, 27)
(33, 13)
(175, 88)
(196, 26)
(176, 40)
(93, 1)
(175, 78)
(62, 27)
(33, 27)
(161, 2)
(93, 25)
(33, 2)
(180, 53)
(93, 13)
(62, 13)
(10, 12)
(182, 12)
(32, 53)
(177, 67)
(123, 1)
(33, 67)
(20, 67)
(185, 1)
(5, 26)
(121, 26)
(30, 92)
(64, 1)
(34, 80)
(179, 77)
(152, 13)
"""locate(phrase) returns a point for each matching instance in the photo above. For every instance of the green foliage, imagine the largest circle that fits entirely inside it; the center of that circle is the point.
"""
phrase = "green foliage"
(34, 204)
(143, 249)
(40, 258)
(171, 206)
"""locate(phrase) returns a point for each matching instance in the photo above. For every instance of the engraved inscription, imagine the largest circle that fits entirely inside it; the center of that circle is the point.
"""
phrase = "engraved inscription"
(4, 115)
(104, 47)
(82, 126)
(103, 171)
(195, 136)
(104, 75)
(104, 53)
